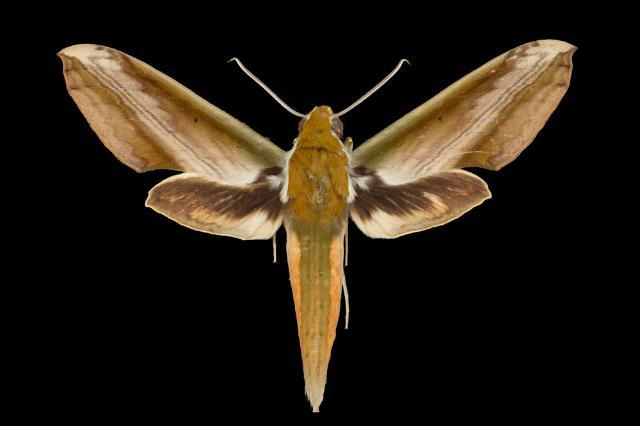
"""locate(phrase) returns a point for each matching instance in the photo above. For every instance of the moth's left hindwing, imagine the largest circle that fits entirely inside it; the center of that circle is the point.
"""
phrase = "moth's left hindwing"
(407, 178)
(149, 121)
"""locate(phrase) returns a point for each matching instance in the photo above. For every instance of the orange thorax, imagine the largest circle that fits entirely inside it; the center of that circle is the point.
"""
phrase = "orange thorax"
(318, 185)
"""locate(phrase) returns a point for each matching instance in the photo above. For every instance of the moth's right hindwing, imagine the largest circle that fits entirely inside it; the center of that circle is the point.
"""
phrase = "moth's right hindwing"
(202, 203)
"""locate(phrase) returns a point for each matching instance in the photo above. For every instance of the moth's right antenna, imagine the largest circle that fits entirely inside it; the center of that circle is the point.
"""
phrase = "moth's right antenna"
(266, 88)
(372, 91)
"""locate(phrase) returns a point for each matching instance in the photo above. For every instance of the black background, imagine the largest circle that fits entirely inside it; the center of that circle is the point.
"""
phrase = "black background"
(485, 317)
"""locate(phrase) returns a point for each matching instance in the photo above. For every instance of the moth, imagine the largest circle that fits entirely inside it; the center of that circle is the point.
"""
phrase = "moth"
(233, 182)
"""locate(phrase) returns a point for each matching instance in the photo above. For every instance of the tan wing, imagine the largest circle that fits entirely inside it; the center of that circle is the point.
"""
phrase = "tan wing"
(483, 120)
(149, 121)
(203, 203)
(407, 178)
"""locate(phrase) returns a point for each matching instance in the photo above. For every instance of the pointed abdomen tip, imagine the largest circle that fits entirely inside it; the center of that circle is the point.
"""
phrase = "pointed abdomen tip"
(315, 393)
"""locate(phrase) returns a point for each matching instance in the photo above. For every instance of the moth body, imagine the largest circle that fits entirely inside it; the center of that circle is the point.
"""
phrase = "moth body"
(315, 218)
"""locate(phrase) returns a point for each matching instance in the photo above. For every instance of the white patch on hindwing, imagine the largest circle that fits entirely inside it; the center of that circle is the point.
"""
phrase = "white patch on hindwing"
(284, 192)
(275, 181)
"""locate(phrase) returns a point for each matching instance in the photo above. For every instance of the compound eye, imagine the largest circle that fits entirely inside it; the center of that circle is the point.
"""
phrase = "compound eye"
(301, 123)
(336, 126)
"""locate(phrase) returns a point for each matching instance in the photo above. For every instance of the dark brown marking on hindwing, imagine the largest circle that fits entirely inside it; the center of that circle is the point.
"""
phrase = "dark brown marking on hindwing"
(431, 194)
(235, 201)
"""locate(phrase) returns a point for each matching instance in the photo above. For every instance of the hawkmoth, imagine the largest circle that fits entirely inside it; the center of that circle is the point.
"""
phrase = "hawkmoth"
(233, 182)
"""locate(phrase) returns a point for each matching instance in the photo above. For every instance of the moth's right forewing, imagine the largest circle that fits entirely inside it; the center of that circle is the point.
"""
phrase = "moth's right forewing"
(150, 121)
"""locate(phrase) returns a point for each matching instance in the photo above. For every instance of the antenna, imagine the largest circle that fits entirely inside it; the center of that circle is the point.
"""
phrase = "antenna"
(372, 91)
(266, 88)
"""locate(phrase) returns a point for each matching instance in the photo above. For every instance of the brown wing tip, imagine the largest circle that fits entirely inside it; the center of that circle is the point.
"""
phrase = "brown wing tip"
(555, 48)
(552, 44)
(80, 50)
(548, 47)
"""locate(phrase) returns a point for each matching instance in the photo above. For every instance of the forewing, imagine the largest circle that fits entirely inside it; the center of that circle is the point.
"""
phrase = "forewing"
(483, 120)
(150, 121)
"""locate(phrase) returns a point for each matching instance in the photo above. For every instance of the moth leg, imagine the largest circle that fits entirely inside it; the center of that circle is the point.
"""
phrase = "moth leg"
(346, 246)
(346, 302)
(275, 257)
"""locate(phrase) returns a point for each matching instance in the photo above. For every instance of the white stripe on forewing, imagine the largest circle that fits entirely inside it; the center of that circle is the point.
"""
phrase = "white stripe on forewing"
(415, 159)
(486, 117)
(284, 192)
(138, 105)
(108, 72)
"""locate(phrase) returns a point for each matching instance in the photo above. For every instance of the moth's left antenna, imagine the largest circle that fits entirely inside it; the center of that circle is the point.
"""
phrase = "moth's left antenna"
(266, 88)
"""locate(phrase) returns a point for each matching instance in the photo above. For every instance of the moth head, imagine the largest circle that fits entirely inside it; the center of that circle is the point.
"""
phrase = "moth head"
(301, 123)
(322, 118)
(318, 118)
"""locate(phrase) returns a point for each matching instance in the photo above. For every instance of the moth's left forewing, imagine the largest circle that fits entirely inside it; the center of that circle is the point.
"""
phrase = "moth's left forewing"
(483, 120)
(486, 119)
